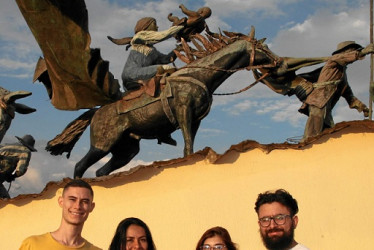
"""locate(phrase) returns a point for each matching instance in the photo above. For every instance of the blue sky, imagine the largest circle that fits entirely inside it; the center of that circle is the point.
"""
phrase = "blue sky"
(299, 28)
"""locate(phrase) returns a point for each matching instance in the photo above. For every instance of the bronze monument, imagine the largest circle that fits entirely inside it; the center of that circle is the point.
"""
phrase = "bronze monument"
(78, 78)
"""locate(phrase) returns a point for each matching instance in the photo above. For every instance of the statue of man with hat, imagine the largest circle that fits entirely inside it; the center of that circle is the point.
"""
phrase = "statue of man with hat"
(14, 160)
(331, 85)
(144, 60)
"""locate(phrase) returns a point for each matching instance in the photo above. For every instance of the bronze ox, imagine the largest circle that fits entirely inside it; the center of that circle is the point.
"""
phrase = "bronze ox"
(9, 106)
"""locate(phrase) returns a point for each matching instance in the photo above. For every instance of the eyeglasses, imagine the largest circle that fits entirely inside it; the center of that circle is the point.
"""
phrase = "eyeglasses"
(279, 219)
(215, 247)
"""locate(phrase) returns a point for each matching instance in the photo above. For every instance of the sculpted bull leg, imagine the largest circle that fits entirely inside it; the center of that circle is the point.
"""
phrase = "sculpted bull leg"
(122, 154)
(92, 156)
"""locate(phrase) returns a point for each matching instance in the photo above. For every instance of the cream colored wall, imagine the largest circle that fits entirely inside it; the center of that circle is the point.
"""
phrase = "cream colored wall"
(332, 180)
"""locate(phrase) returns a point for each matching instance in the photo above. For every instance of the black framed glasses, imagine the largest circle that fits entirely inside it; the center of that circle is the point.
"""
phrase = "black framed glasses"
(215, 247)
(279, 219)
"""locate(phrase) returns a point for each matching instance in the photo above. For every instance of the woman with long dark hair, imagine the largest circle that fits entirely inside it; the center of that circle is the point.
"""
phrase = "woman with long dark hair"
(132, 233)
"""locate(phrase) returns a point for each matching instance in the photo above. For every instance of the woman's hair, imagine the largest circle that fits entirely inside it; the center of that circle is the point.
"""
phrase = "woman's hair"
(119, 237)
(219, 231)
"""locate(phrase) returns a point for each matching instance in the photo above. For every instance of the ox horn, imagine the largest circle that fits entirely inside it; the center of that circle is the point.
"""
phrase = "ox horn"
(262, 40)
(13, 96)
(120, 41)
(252, 33)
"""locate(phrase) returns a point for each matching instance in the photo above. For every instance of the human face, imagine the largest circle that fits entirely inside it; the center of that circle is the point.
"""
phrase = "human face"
(136, 238)
(349, 50)
(76, 203)
(277, 236)
(214, 243)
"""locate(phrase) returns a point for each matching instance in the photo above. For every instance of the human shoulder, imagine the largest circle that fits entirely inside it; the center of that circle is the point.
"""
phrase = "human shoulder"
(299, 247)
(12, 147)
(14, 150)
(37, 242)
(46, 242)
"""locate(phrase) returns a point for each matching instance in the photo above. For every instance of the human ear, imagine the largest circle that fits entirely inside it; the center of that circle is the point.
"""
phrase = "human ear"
(295, 220)
(92, 206)
(60, 201)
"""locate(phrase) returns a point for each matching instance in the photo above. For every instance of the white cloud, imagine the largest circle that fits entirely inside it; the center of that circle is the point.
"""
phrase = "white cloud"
(8, 64)
(209, 132)
(243, 106)
(245, 7)
(319, 34)
(288, 113)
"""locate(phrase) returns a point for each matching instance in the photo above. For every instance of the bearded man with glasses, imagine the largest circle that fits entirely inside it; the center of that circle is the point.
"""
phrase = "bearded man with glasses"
(277, 220)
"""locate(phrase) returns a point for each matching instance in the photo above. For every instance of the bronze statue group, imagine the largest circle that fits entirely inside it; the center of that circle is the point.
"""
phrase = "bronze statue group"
(145, 71)
(318, 97)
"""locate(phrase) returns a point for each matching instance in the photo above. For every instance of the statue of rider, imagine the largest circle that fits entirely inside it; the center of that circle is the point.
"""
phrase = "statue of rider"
(144, 60)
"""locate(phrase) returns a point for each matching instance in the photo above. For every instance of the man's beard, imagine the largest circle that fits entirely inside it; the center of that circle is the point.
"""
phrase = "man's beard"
(278, 243)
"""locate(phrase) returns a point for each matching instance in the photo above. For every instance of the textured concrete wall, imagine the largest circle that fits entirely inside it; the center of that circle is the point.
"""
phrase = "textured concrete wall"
(332, 179)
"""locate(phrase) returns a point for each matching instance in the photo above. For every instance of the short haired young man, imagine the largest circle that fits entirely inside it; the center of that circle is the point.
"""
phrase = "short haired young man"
(76, 203)
(277, 220)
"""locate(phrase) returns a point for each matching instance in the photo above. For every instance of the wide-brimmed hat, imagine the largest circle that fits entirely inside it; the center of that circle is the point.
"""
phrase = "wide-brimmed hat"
(346, 45)
(143, 24)
(27, 141)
